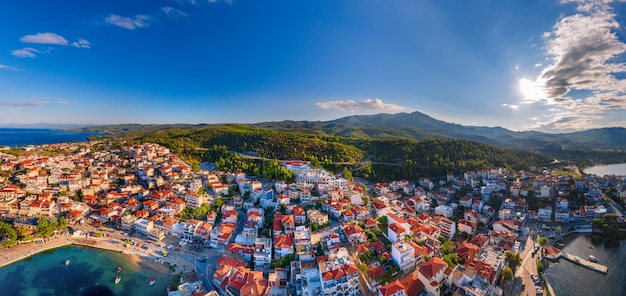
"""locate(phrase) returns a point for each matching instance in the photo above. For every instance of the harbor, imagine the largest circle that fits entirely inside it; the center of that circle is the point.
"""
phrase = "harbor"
(586, 263)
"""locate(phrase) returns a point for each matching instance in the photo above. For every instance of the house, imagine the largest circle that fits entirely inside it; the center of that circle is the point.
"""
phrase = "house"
(448, 227)
(466, 226)
(355, 234)
(408, 286)
(466, 201)
(299, 215)
(467, 250)
(317, 217)
(395, 232)
(433, 274)
(262, 253)
(338, 273)
(404, 255)
(283, 245)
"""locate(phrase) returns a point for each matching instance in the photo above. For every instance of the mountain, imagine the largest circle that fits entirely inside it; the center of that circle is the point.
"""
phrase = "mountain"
(417, 125)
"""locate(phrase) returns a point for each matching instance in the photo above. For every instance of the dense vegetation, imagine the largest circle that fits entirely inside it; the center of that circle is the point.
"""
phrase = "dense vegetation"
(610, 226)
(255, 150)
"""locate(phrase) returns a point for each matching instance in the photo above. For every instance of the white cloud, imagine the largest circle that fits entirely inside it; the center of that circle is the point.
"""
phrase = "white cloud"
(26, 52)
(579, 80)
(352, 106)
(44, 38)
(22, 103)
(35, 102)
(173, 12)
(131, 23)
(537, 65)
(514, 107)
(81, 43)
(6, 67)
(517, 67)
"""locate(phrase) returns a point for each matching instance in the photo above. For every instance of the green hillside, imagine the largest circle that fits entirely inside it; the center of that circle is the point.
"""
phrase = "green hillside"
(255, 149)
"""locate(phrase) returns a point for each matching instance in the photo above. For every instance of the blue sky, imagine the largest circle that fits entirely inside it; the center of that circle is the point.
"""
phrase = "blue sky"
(520, 64)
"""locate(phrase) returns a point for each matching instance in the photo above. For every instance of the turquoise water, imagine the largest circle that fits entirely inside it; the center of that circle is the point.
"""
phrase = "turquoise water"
(90, 272)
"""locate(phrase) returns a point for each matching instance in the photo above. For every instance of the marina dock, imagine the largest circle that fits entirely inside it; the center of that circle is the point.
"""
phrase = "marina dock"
(586, 263)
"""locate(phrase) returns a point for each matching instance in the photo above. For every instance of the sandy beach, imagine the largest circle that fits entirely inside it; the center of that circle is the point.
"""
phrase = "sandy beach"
(143, 258)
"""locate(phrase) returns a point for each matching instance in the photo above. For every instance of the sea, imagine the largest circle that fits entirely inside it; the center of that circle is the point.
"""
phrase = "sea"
(26, 136)
(90, 272)
(568, 278)
(618, 169)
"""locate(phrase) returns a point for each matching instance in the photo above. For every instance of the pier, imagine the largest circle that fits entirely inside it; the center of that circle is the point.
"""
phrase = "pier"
(586, 263)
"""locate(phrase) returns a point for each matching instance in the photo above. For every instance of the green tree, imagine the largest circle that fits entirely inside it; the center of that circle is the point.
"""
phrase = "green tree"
(542, 241)
(540, 266)
(446, 248)
(452, 259)
(219, 203)
(8, 235)
(512, 259)
(45, 228)
(347, 174)
(507, 273)
(558, 229)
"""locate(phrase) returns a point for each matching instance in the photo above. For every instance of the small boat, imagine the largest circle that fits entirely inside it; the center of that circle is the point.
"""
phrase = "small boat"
(593, 258)
(119, 269)
(592, 247)
(118, 279)
(152, 280)
(67, 262)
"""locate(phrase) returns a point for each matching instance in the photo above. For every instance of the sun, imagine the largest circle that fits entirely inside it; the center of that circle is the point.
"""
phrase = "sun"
(532, 91)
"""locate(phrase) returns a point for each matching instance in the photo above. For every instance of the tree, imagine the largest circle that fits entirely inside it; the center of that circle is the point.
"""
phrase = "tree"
(512, 259)
(218, 203)
(452, 259)
(542, 241)
(446, 248)
(507, 273)
(558, 229)
(540, 266)
(44, 227)
(347, 174)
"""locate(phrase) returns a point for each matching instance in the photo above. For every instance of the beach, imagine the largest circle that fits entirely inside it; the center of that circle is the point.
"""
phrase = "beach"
(139, 256)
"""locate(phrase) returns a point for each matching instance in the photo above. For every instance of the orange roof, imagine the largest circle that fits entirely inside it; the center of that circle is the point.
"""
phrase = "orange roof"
(432, 267)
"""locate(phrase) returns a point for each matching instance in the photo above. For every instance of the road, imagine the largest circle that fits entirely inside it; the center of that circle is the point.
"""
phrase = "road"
(616, 208)
(527, 267)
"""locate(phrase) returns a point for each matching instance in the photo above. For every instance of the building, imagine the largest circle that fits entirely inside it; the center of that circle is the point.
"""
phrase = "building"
(408, 286)
(433, 274)
(404, 255)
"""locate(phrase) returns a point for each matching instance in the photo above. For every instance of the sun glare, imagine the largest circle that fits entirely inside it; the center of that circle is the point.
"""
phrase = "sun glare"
(531, 90)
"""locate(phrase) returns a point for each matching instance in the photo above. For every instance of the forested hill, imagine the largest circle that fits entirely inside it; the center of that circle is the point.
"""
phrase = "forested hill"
(376, 159)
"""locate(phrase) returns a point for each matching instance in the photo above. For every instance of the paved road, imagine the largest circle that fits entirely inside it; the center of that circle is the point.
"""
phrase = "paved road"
(528, 266)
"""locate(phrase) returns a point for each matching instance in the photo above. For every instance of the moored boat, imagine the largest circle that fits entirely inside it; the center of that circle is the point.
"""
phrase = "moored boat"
(152, 281)
(119, 269)
(593, 258)
(118, 279)
(67, 262)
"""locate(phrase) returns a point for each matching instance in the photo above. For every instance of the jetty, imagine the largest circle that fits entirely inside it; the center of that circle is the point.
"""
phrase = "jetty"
(585, 263)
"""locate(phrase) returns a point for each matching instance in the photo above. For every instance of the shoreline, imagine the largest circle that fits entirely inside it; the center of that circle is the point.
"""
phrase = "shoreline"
(25, 251)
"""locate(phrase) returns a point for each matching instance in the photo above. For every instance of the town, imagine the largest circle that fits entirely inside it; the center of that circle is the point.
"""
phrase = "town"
(475, 233)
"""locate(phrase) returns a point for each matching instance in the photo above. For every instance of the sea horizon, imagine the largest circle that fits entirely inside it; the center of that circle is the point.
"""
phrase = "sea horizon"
(18, 137)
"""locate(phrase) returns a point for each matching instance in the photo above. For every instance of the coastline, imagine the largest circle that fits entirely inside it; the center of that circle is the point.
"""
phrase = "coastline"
(24, 251)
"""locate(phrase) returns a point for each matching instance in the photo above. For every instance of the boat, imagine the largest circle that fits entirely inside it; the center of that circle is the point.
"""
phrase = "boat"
(67, 262)
(118, 279)
(119, 269)
(152, 280)
(593, 258)
(591, 247)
